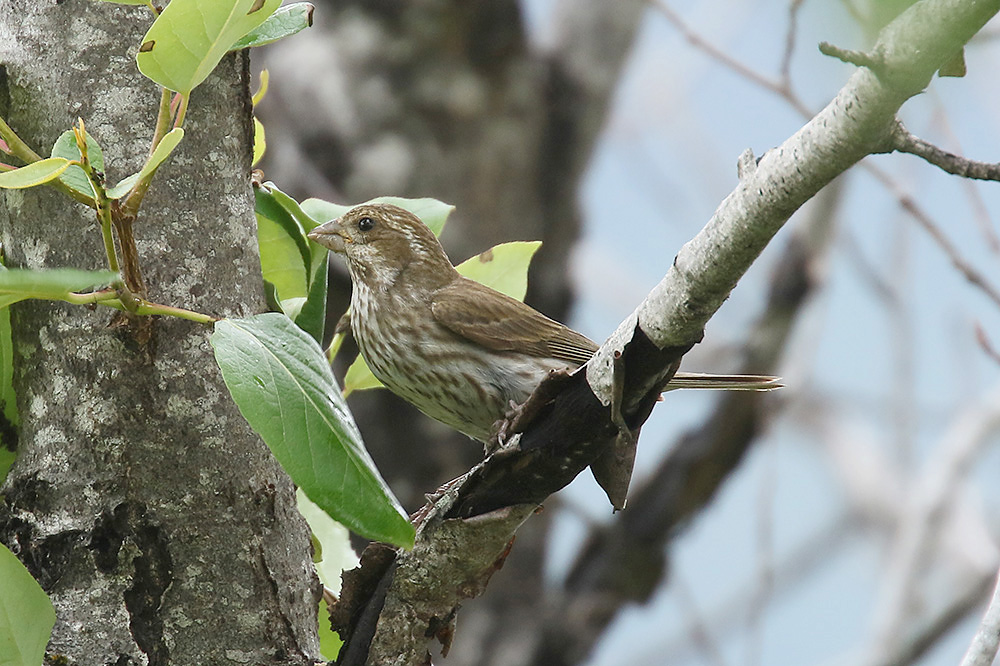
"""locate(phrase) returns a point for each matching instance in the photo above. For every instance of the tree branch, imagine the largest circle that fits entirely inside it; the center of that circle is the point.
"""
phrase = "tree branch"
(984, 645)
(905, 142)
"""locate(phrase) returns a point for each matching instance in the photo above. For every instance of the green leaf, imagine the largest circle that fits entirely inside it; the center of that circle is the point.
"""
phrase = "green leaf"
(329, 640)
(335, 552)
(17, 284)
(283, 386)
(301, 284)
(36, 173)
(160, 154)
(285, 22)
(305, 222)
(359, 377)
(190, 37)
(431, 212)
(162, 151)
(312, 313)
(75, 177)
(8, 398)
(123, 187)
(265, 77)
(26, 614)
(285, 257)
(259, 142)
(503, 267)
(271, 297)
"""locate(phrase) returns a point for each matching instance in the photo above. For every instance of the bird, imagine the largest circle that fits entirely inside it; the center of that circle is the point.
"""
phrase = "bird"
(461, 352)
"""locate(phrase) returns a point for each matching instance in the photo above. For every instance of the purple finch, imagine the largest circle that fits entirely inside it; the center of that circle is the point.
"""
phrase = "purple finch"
(459, 351)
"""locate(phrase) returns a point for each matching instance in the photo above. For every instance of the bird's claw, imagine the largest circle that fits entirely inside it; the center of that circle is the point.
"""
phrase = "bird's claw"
(518, 416)
(505, 427)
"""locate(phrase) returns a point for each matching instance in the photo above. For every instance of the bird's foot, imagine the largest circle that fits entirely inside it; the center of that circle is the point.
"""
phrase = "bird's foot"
(418, 516)
(518, 416)
(503, 429)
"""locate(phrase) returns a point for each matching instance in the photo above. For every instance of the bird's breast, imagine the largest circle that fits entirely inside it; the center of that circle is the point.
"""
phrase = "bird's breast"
(449, 378)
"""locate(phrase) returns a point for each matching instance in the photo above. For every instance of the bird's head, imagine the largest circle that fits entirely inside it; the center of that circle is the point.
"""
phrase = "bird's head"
(381, 241)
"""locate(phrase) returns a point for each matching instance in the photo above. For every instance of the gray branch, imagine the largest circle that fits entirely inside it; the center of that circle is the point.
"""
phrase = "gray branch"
(906, 142)
(983, 649)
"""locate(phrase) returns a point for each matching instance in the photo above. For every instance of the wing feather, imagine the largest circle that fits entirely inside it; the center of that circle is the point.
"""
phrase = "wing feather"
(496, 321)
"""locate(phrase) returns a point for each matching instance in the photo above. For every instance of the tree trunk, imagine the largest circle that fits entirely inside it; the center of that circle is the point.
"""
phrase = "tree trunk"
(156, 520)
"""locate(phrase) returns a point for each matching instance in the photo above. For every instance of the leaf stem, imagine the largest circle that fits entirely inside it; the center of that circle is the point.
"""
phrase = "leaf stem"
(162, 119)
(133, 200)
(335, 343)
(91, 298)
(102, 207)
(18, 148)
(104, 214)
(23, 152)
(129, 301)
(181, 110)
(110, 298)
(148, 308)
(102, 204)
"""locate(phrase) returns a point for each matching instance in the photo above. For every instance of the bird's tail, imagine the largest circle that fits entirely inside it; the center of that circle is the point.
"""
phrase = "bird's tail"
(700, 380)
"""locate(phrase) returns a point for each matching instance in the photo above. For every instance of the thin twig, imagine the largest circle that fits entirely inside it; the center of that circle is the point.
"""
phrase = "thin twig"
(785, 75)
(850, 56)
(102, 205)
(979, 211)
(867, 270)
(929, 633)
(904, 141)
(985, 344)
(907, 203)
(717, 54)
(697, 628)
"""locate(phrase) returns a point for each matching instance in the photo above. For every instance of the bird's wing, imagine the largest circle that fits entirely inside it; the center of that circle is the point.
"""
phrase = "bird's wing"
(496, 321)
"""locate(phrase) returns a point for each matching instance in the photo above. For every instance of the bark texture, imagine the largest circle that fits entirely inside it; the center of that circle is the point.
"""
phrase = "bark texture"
(157, 521)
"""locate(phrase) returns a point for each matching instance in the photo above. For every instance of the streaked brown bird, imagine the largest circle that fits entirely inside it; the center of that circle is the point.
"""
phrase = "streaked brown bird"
(459, 351)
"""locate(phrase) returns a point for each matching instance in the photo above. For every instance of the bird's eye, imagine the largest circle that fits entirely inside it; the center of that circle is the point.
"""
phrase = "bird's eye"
(366, 224)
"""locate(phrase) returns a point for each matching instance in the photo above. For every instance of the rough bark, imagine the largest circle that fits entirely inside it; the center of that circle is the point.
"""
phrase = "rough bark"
(159, 524)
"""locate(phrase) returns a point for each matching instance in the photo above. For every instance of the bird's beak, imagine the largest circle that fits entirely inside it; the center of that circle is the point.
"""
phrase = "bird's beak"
(329, 235)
